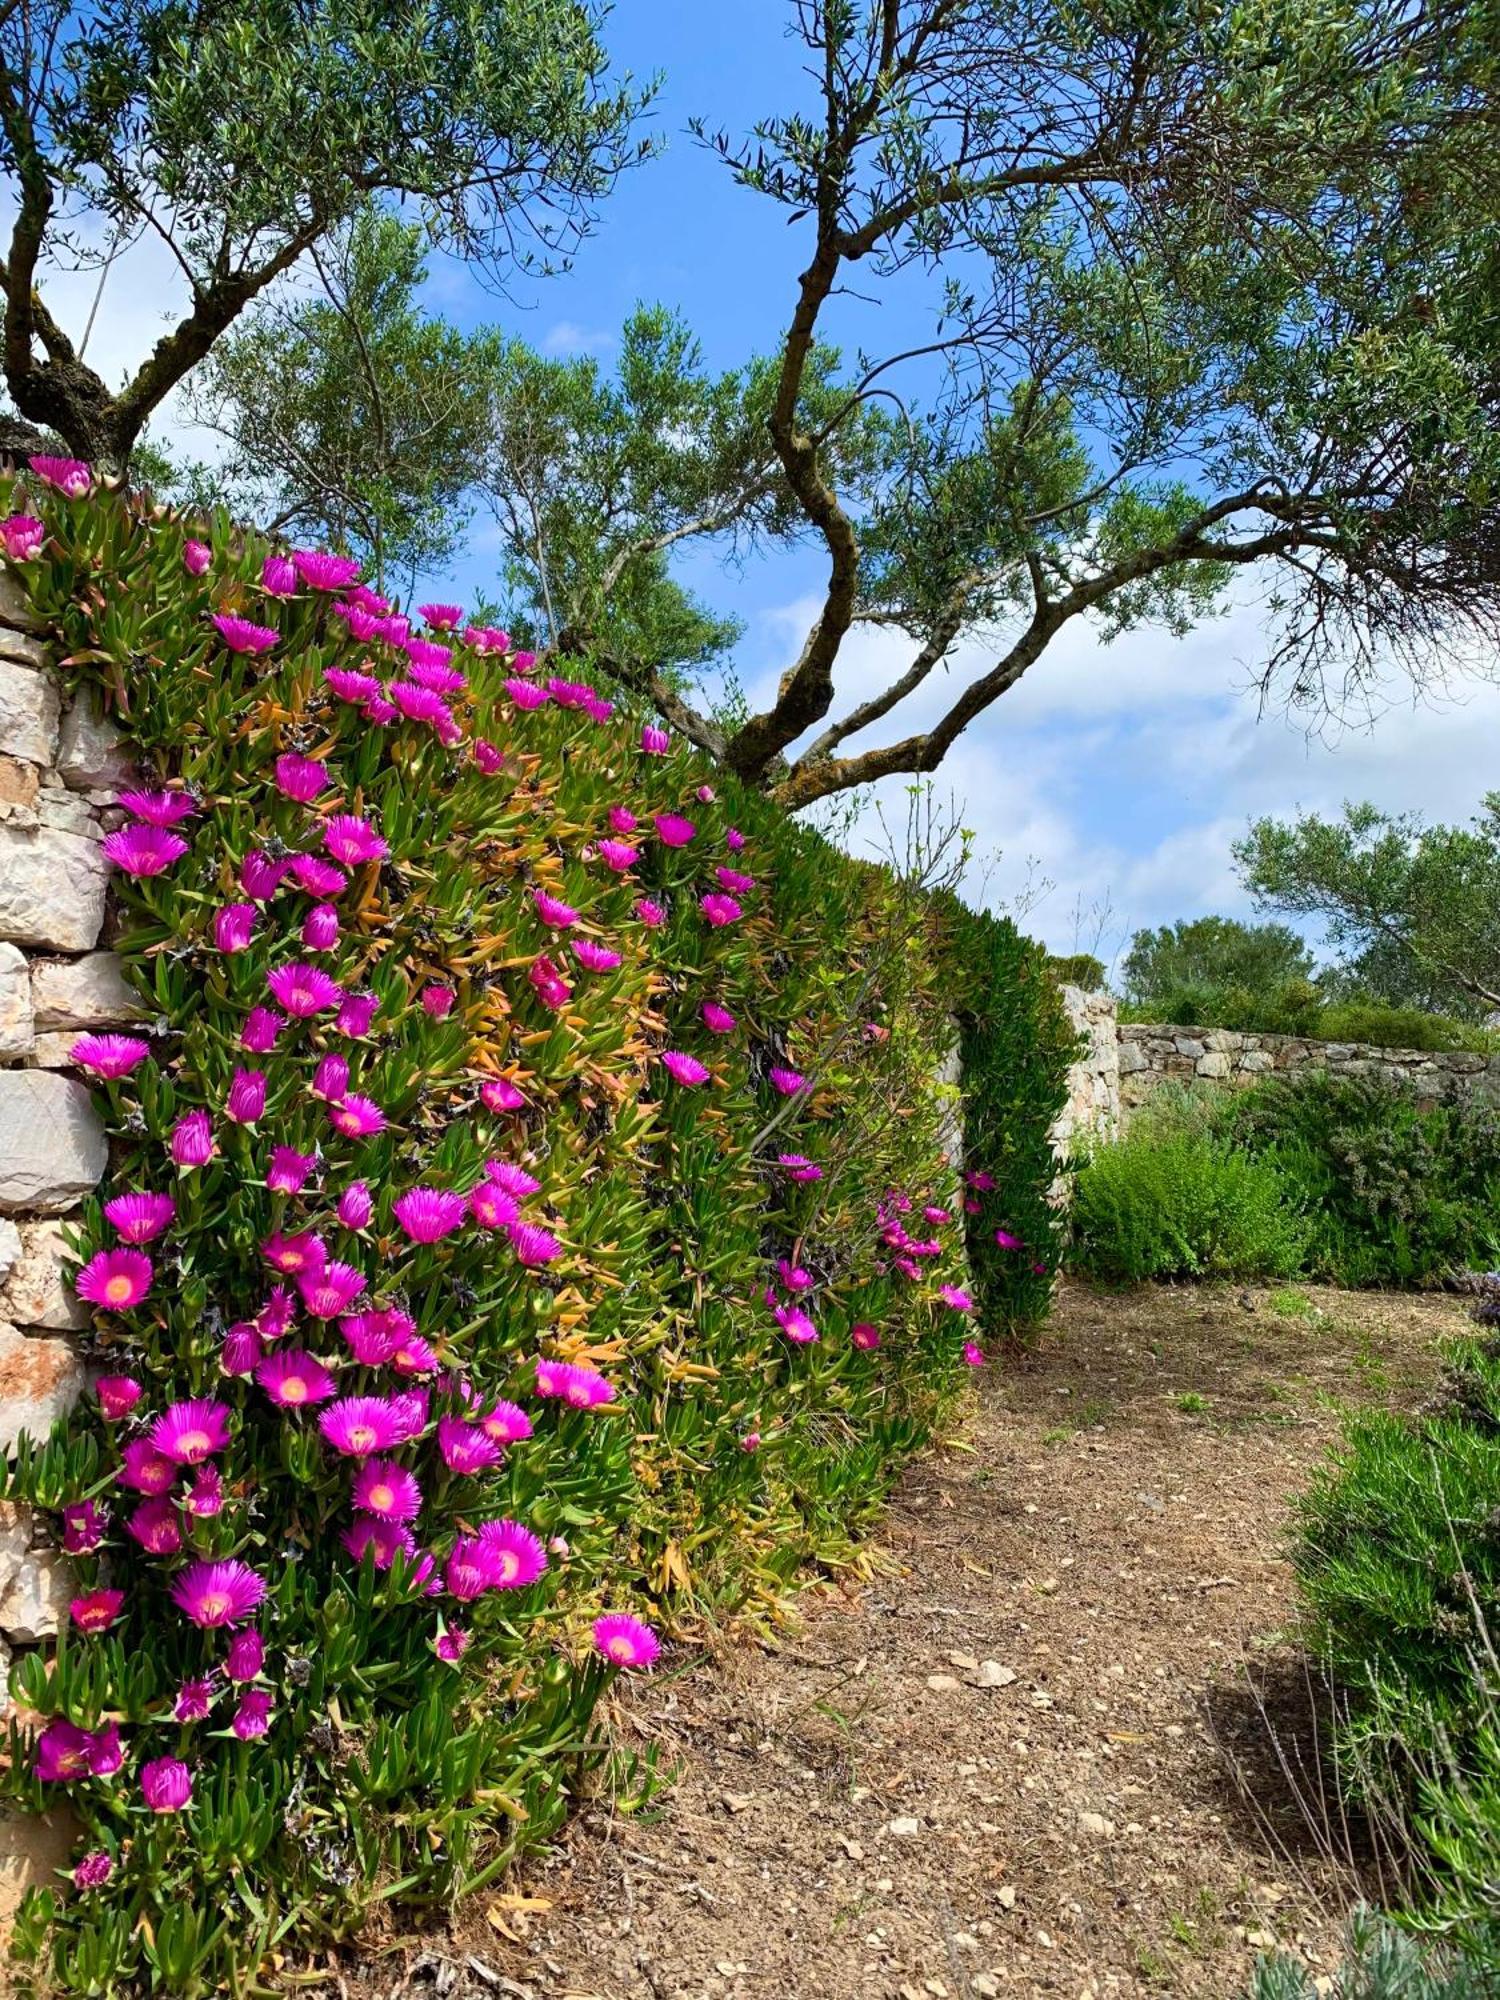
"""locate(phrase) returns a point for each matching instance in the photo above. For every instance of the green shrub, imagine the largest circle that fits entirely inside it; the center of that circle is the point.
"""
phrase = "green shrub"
(1298, 1008)
(1394, 1193)
(392, 1744)
(1182, 1206)
(1400, 1028)
(1381, 1963)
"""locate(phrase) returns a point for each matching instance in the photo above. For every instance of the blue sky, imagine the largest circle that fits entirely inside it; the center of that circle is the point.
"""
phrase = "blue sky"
(1120, 773)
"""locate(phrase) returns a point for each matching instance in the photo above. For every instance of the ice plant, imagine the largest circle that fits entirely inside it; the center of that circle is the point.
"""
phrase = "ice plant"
(246, 1102)
(316, 876)
(596, 957)
(64, 1752)
(234, 926)
(525, 696)
(194, 1700)
(719, 909)
(491, 1206)
(1006, 1240)
(569, 1382)
(386, 1489)
(83, 1528)
(734, 881)
(795, 1324)
(300, 778)
(109, 1056)
(618, 855)
(159, 808)
(241, 636)
(548, 984)
(956, 1297)
(384, 1540)
(718, 1020)
(352, 840)
(464, 1449)
(360, 1425)
(622, 820)
(555, 913)
(166, 1784)
(514, 1179)
(356, 1116)
(655, 742)
(863, 1335)
(187, 1433)
(192, 1140)
(672, 830)
(684, 1069)
(500, 1094)
(70, 476)
(294, 1381)
(252, 1717)
(321, 571)
(143, 851)
(156, 1525)
(95, 1611)
(516, 1555)
(295, 1255)
(356, 1012)
(799, 1167)
(330, 1079)
(118, 1396)
(246, 1655)
(534, 1245)
(304, 990)
(651, 913)
(278, 576)
(506, 1423)
(625, 1641)
(94, 1870)
(116, 1280)
(973, 1354)
(261, 875)
(205, 1497)
(218, 1593)
(23, 536)
(288, 1170)
(437, 1001)
(786, 1082)
(428, 1214)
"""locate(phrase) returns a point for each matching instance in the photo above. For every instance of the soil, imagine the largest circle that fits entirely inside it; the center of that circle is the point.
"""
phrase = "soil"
(1051, 1742)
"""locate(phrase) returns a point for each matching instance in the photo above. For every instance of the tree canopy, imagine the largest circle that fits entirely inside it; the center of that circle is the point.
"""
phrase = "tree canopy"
(243, 133)
(1391, 891)
(1212, 954)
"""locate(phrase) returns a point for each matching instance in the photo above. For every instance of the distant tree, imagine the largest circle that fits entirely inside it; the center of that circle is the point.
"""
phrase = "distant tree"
(243, 133)
(1390, 889)
(1213, 955)
(1210, 288)
(349, 416)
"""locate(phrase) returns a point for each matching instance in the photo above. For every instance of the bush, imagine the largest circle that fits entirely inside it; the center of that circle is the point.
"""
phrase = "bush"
(1181, 1205)
(1298, 1008)
(1382, 1963)
(1393, 1193)
(515, 1133)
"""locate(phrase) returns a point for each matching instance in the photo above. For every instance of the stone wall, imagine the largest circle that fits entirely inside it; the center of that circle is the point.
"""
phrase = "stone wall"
(1093, 1106)
(1149, 1055)
(59, 769)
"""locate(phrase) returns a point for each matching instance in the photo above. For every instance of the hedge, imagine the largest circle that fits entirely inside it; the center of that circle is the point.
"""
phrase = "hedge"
(527, 1227)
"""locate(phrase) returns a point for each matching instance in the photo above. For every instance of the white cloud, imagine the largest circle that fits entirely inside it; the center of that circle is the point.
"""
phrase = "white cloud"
(567, 337)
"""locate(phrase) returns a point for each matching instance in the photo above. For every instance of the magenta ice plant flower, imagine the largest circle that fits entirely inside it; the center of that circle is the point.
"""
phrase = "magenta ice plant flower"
(300, 778)
(787, 1082)
(356, 1116)
(94, 1870)
(655, 742)
(196, 557)
(242, 1349)
(318, 877)
(651, 914)
(246, 1102)
(625, 1641)
(330, 1079)
(246, 1655)
(71, 477)
(718, 1020)
(428, 1214)
(865, 1336)
(464, 1449)
(361, 1425)
(385, 1539)
(451, 1644)
(240, 635)
(618, 855)
(973, 1354)
(294, 1380)
(159, 808)
(142, 850)
(514, 1179)
(321, 571)
(278, 576)
(83, 1527)
(796, 1325)
(294, 1255)
(507, 1423)
(548, 984)
(356, 1013)
(491, 1206)
(194, 1700)
(734, 881)
(289, 1170)
(156, 1525)
(355, 1205)
(166, 1784)
(95, 1611)
(331, 1289)
(23, 536)
(718, 909)
(304, 990)
(352, 840)
(386, 1489)
(525, 696)
(1006, 1240)
(488, 756)
(234, 926)
(143, 1469)
(596, 957)
(555, 913)
(192, 1140)
(65, 1752)
(109, 1056)
(533, 1245)
(205, 1497)
(516, 1555)
(351, 686)
(684, 1069)
(214, 1594)
(499, 1094)
(569, 1382)
(956, 1297)
(116, 1280)
(261, 874)
(252, 1717)
(189, 1432)
(799, 1167)
(118, 1396)
(734, 840)
(672, 830)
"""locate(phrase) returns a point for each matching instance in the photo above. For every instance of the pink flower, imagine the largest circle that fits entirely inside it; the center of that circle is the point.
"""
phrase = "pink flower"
(64, 1752)
(720, 910)
(732, 879)
(442, 617)
(331, 1079)
(356, 1013)
(278, 576)
(360, 1425)
(516, 1556)
(206, 1495)
(387, 1490)
(192, 1140)
(567, 1382)
(317, 877)
(355, 1205)
(356, 1116)
(260, 876)
(450, 1646)
(469, 1571)
(233, 926)
(655, 742)
(795, 1324)
(734, 840)
(159, 808)
(109, 1056)
(420, 704)
(750, 1441)
(96, 1611)
(568, 694)
(524, 662)
(320, 928)
(705, 795)
(864, 1336)
(242, 1350)
(246, 1655)
(370, 1337)
(241, 636)
(525, 696)
(321, 571)
(115, 1279)
(367, 599)
(83, 1528)
(718, 1020)
(500, 1094)
(491, 1207)
(622, 820)
(672, 830)
(488, 757)
(981, 1180)
(353, 840)
(534, 1246)
(430, 667)
(294, 1380)
(625, 1641)
(956, 1297)
(799, 1167)
(651, 914)
(559, 915)
(384, 1539)
(427, 1214)
(294, 1255)
(438, 1001)
(155, 1525)
(350, 686)
(787, 1082)
(194, 1700)
(276, 1315)
(515, 1180)
(166, 1784)
(143, 850)
(93, 1871)
(793, 1277)
(595, 957)
(1006, 1241)
(247, 1096)
(196, 557)
(252, 1717)
(301, 778)
(684, 1069)
(289, 1169)
(332, 1290)
(262, 1026)
(618, 855)
(187, 1433)
(218, 1593)
(464, 1450)
(973, 1354)
(71, 477)
(304, 990)
(506, 1423)
(23, 536)
(118, 1396)
(548, 984)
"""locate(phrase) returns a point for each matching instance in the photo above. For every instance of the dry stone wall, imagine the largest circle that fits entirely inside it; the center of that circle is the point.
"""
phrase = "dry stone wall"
(1150, 1055)
(1093, 1106)
(60, 768)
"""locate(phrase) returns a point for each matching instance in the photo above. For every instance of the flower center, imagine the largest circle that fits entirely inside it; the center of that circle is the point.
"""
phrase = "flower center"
(294, 1390)
(195, 1444)
(621, 1650)
(382, 1499)
(118, 1291)
(362, 1437)
(214, 1604)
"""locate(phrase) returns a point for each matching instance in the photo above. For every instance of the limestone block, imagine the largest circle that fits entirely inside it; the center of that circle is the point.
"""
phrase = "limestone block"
(33, 1846)
(52, 1145)
(40, 1380)
(92, 751)
(1255, 1061)
(37, 1600)
(1189, 1045)
(1132, 1058)
(17, 1029)
(24, 648)
(19, 783)
(37, 1291)
(81, 993)
(66, 812)
(51, 888)
(28, 713)
(1213, 1063)
(15, 605)
(10, 1247)
(54, 1051)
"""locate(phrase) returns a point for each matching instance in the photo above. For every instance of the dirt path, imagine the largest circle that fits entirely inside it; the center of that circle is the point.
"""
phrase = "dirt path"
(991, 1768)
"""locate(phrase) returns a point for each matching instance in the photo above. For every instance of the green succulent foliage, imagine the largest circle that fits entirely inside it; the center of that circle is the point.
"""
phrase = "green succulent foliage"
(1382, 1962)
(730, 1458)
